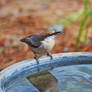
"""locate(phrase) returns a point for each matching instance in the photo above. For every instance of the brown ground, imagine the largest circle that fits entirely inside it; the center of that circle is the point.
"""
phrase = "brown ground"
(20, 18)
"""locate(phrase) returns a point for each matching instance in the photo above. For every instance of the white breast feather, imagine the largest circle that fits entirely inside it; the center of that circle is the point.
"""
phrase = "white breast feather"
(49, 43)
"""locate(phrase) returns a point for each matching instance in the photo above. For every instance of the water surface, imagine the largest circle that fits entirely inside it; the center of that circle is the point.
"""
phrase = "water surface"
(76, 78)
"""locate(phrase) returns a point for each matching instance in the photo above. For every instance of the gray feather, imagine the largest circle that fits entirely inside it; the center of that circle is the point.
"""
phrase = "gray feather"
(34, 41)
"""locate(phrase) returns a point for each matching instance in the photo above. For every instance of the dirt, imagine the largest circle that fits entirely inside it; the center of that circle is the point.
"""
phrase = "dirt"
(19, 19)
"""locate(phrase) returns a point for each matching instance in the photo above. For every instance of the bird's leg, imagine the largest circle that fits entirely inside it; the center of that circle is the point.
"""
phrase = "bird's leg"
(49, 54)
(36, 58)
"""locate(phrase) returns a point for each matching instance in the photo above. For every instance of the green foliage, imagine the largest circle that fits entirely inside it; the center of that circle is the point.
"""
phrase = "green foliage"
(85, 18)
(83, 25)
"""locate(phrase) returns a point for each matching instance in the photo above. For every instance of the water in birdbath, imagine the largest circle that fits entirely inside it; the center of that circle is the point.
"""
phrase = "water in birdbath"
(70, 79)
(75, 78)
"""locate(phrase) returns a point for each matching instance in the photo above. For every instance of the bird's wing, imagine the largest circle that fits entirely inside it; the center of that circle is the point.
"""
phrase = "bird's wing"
(34, 41)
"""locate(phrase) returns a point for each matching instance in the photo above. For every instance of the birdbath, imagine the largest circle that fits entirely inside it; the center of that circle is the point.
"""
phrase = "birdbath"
(24, 76)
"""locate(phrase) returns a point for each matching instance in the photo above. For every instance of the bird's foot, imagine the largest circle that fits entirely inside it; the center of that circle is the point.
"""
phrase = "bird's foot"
(49, 54)
(36, 58)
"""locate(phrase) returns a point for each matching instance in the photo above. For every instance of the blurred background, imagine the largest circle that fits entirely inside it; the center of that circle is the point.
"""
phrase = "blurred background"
(20, 18)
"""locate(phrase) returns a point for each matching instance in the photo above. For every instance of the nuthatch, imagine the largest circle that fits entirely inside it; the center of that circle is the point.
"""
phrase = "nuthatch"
(43, 42)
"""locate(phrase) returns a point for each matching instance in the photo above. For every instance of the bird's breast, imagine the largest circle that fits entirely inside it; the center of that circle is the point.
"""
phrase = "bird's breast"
(47, 45)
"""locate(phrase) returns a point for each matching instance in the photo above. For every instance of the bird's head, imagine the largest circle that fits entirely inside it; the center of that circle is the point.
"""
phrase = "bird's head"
(55, 30)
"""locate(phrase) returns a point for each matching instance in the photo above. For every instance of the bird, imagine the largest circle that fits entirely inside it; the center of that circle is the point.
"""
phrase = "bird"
(43, 42)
